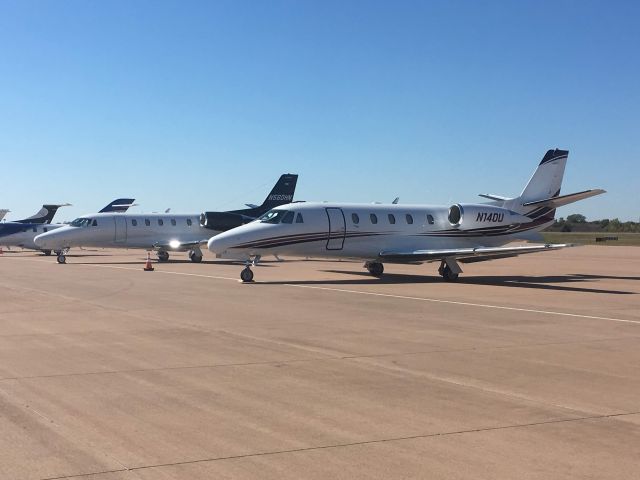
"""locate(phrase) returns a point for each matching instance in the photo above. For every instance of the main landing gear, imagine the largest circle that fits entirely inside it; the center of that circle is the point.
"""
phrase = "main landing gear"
(449, 270)
(163, 256)
(246, 275)
(375, 268)
(195, 255)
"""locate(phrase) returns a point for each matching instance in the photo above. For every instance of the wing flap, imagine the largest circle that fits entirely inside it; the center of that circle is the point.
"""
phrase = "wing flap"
(468, 255)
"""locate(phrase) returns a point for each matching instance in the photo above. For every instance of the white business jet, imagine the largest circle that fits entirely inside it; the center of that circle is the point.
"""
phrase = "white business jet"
(162, 232)
(393, 233)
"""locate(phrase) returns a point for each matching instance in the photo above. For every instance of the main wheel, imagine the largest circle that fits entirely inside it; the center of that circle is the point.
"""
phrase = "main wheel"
(195, 257)
(375, 268)
(246, 275)
(46, 252)
(447, 274)
(163, 256)
(61, 259)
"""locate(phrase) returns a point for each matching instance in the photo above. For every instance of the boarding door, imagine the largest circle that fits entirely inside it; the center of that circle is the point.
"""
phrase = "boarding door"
(337, 228)
(121, 229)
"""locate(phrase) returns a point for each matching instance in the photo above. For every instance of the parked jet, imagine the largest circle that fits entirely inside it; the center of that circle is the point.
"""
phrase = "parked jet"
(163, 233)
(22, 232)
(393, 233)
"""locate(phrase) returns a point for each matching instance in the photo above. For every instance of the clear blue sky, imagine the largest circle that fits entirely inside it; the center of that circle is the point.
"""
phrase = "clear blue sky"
(201, 105)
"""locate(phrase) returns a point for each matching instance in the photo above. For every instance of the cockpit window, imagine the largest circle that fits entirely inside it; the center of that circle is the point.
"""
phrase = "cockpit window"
(288, 217)
(81, 222)
(299, 218)
(273, 216)
(94, 223)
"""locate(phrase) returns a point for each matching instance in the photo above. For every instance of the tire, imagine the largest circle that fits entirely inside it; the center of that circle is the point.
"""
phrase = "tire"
(61, 259)
(448, 275)
(195, 258)
(46, 252)
(163, 256)
(376, 269)
(246, 275)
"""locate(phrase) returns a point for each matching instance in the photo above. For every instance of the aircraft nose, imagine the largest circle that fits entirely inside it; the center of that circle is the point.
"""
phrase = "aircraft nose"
(220, 242)
(46, 240)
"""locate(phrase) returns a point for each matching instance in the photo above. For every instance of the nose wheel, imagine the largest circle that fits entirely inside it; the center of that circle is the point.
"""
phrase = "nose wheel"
(62, 255)
(246, 275)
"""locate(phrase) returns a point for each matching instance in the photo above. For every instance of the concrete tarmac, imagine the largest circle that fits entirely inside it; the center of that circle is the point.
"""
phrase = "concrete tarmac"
(527, 368)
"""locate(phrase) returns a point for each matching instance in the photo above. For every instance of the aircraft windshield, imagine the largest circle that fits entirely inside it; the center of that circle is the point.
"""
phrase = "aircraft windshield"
(81, 222)
(273, 216)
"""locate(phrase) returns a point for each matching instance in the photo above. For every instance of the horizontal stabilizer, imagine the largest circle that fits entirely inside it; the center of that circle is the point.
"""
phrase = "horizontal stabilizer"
(467, 255)
(561, 200)
(490, 196)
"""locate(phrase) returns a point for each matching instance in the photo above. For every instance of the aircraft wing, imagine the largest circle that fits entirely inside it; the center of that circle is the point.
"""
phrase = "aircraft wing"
(467, 255)
(178, 245)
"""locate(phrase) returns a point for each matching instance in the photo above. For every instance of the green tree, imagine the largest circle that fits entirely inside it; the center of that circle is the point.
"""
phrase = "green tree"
(576, 218)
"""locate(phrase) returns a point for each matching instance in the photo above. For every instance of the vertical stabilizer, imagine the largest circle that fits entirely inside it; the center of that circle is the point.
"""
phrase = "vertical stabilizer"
(547, 179)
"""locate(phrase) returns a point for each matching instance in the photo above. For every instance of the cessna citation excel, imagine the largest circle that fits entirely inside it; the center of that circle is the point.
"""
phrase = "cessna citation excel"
(22, 233)
(162, 232)
(392, 233)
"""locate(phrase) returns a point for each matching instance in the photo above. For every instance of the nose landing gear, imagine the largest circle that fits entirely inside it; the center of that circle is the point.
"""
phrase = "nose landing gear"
(62, 256)
(246, 275)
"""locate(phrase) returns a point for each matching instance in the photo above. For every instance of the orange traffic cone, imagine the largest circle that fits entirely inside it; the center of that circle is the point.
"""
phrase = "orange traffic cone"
(148, 267)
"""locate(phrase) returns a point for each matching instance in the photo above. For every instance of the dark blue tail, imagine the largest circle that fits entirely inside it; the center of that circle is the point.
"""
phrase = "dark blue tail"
(118, 205)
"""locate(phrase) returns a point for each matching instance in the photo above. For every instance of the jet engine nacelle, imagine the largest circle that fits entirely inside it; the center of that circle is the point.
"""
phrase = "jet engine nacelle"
(222, 221)
(469, 216)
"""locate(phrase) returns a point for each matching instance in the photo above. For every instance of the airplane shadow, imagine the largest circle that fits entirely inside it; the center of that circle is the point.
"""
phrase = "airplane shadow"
(513, 281)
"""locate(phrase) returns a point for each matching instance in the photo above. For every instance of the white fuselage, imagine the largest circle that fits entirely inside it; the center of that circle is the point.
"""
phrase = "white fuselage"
(25, 234)
(128, 230)
(356, 231)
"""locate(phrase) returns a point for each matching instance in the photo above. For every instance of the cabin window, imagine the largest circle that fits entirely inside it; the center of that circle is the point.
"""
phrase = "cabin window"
(94, 223)
(188, 222)
(374, 218)
(173, 222)
(160, 222)
(392, 219)
(147, 222)
(430, 219)
(299, 218)
(409, 218)
(134, 222)
(355, 218)
(288, 217)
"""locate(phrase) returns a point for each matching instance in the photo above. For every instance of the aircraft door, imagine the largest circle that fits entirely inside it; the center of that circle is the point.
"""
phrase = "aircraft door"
(337, 228)
(120, 229)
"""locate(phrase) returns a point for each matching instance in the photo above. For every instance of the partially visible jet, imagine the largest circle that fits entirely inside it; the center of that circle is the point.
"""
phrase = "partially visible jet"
(22, 232)
(3, 212)
(161, 232)
(410, 234)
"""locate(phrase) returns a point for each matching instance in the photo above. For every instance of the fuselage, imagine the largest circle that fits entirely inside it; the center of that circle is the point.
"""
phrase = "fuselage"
(15, 234)
(356, 231)
(127, 230)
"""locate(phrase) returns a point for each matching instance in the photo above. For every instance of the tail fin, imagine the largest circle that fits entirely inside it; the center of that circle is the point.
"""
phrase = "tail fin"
(118, 205)
(541, 196)
(3, 212)
(44, 215)
(547, 179)
(282, 192)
